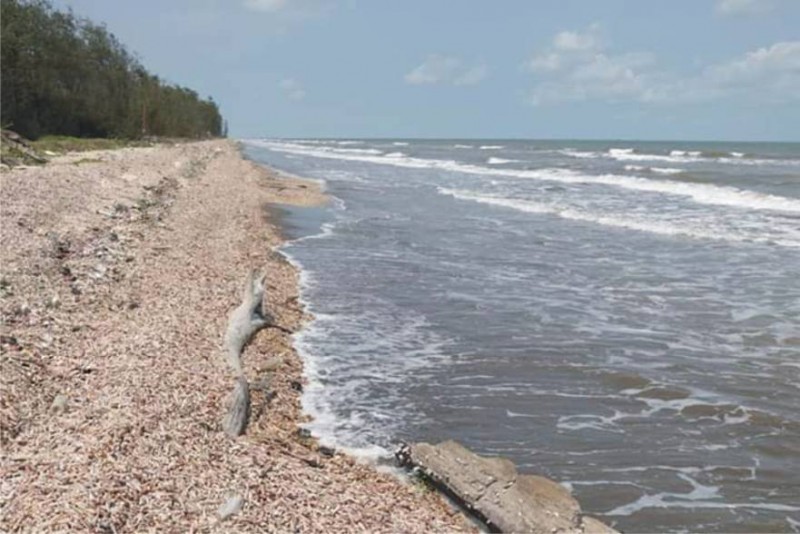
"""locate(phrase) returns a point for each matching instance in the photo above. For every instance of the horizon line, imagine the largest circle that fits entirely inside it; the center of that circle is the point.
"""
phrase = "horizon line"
(580, 139)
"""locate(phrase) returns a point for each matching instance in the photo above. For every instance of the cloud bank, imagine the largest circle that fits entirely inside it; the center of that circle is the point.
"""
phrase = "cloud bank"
(581, 66)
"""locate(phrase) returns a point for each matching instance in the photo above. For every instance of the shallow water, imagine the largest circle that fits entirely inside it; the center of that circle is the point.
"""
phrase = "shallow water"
(623, 317)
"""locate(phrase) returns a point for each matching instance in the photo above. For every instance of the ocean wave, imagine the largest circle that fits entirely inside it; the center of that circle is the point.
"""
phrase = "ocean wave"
(356, 150)
(627, 222)
(400, 143)
(491, 147)
(666, 170)
(366, 424)
(692, 153)
(699, 496)
(657, 170)
(500, 161)
(462, 146)
(579, 153)
(676, 156)
(681, 156)
(700, 193)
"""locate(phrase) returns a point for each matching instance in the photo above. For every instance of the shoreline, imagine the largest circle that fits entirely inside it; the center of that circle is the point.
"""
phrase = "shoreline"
(119, 270)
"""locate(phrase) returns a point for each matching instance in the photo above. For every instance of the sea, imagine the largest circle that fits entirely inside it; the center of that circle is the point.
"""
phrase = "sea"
(622, 317)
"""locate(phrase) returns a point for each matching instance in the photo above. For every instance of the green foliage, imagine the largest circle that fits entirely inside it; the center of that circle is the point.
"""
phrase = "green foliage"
(65, 75)
(63, 143)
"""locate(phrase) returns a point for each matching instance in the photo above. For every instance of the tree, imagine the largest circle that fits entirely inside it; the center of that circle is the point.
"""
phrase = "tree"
(65, 75)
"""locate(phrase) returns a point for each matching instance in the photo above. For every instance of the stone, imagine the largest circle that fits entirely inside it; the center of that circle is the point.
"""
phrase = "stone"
(326, 451)
(230, 507)
(59, 403)
(493, 491)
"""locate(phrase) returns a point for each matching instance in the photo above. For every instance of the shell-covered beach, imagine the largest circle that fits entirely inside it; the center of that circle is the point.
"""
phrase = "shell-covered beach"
(119, 270)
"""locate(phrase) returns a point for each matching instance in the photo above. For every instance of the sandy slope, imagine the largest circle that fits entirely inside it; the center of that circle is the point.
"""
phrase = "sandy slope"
(118, 271)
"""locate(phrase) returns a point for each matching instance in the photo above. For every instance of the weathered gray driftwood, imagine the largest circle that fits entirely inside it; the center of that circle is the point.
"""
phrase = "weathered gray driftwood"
(247, 319)
(235, 420)
(492, 491)
(243, 323)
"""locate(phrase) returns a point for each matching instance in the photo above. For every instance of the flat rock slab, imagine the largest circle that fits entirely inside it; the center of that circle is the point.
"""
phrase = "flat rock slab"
(495, 493)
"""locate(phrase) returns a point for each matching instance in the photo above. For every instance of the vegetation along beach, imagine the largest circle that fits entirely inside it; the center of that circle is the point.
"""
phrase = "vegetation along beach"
(328, 266)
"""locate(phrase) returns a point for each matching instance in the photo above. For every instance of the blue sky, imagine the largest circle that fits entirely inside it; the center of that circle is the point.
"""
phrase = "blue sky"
(609, 69)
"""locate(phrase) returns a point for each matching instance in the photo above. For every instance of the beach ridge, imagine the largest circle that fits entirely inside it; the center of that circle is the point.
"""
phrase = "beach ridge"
(120, 268)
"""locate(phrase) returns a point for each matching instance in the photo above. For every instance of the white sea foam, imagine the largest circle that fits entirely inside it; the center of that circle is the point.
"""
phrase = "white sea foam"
(700, 496)
(692, 153)
(579, 153)
(400, 143)
(500, 161)
(620, 151)
(666, 170)
(678, 156)
(635, 168)
(491, 147)
(388, 331)
(657, 170)
(629, 222)
(591, 422)
(513, 414)
(700, 193)
(463, 146)
(356, 150)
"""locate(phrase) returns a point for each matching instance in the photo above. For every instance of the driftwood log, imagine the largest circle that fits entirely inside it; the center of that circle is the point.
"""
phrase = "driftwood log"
(235, 421)
(491, 490)
(247, 319)
(243, 323)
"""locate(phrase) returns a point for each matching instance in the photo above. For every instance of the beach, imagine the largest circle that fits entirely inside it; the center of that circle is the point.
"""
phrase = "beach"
(119, 271)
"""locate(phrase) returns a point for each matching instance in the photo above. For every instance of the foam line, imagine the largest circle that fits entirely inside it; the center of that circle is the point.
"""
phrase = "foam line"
(699, 193)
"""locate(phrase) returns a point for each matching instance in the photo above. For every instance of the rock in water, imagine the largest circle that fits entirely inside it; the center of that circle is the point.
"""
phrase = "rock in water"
(494, 492)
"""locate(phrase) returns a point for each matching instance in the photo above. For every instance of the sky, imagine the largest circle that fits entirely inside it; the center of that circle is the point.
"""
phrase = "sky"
(574, 69)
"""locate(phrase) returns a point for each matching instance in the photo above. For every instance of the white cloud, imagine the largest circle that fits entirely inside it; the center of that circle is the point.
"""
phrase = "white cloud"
(438, 69)
(577, 66)
(292, 89)
(569, 41)
(290, 9)
(472, 76)
(265, 5)
(773, 72)
(743, 7)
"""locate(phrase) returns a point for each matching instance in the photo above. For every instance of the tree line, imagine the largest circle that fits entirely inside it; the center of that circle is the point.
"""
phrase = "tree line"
(65, 75)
